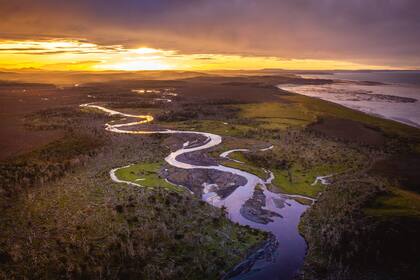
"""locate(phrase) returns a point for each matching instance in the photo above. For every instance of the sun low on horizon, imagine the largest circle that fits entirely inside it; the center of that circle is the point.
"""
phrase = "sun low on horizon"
(208, 35)
(81, 55)
(210, 139)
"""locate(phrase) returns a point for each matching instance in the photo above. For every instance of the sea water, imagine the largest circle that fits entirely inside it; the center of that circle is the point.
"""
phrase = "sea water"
(392, 95)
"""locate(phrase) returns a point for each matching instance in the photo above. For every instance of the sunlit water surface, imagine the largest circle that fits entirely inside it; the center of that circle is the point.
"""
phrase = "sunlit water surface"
(397, 99)
(285, 259)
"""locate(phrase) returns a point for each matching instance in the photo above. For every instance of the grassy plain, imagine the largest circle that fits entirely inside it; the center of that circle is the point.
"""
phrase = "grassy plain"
(145, 174)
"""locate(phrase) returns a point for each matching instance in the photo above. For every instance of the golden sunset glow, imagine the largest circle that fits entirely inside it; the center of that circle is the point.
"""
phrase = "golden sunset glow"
(81, 55)
(210, 139)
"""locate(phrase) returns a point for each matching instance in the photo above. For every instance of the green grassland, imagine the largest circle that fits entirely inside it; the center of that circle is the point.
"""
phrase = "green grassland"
(320, 107)
(299, 182)
(247, 168)
(396, 203)
(300, 111)
(278, 115)
(295, 180)
(146, 175)
(356, 209)
(212, 126)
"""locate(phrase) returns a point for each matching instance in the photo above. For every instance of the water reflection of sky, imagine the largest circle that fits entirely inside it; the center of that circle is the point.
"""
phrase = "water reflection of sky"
(289, 255)
(389, 101)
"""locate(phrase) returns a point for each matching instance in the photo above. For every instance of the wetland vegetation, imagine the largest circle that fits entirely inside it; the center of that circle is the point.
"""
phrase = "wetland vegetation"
(63, 217)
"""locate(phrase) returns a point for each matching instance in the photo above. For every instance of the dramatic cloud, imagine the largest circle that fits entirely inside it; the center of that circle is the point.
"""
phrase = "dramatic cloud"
(376, 32)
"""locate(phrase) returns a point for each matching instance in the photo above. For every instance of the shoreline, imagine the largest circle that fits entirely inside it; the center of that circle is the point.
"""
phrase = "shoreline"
(352, 104)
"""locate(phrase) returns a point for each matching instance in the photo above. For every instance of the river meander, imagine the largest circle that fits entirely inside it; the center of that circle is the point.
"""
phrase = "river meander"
(283, 258)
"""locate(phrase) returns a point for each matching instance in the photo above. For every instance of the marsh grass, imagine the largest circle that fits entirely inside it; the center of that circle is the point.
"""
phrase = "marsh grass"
(396, 203)
(278, 115)
(145, 174)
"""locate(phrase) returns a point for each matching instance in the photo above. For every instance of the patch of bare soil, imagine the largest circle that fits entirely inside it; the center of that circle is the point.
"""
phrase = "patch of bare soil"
(253, 210)
(348, 131)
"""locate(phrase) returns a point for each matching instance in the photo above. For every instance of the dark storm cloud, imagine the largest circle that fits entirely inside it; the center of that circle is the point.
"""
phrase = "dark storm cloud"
(368, 31)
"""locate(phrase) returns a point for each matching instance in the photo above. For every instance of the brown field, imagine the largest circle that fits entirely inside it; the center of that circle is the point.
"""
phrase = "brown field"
(403, 168)
(17, 101)
(348, 130)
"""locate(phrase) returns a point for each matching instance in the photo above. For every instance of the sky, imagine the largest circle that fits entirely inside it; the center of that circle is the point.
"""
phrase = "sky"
(209, 34)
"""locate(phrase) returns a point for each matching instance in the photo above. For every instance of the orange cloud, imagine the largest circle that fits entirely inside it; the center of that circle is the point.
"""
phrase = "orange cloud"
(68, 54)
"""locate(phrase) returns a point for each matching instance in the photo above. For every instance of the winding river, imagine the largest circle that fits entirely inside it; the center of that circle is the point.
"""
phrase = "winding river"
(279, 261)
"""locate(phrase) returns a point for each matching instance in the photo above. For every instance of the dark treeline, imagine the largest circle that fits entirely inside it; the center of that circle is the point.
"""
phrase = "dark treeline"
(192, 111)
(48, 163)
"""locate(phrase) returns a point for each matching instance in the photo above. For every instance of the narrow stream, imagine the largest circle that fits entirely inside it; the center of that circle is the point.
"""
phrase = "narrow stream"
(278, 261)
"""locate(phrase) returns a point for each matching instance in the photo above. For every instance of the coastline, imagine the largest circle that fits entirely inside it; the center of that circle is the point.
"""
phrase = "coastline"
(362, 98)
